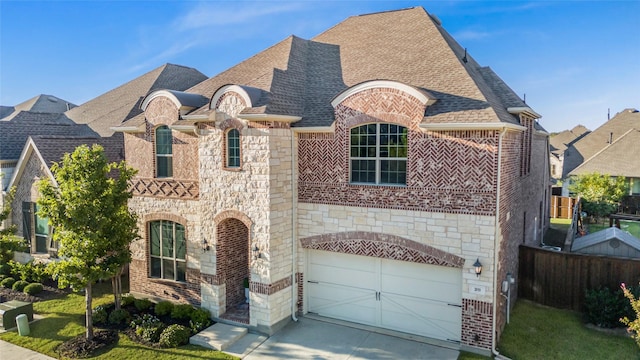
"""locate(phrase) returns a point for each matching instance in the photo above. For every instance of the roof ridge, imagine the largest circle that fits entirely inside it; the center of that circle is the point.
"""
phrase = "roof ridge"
(605, 148)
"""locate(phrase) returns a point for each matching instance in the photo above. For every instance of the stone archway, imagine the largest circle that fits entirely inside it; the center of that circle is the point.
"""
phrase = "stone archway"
(233, 259)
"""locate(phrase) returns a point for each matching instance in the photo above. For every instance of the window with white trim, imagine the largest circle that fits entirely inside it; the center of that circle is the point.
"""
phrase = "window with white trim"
(167, 250)
(233, 148)
(164, 152)
(378, 154)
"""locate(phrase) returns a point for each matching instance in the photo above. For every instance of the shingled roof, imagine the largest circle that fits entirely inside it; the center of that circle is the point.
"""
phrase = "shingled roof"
(53, 148)
(50, 149)
(39, 104)
(600, 138)
(300, 77)
(561, 141)
(15, 132)
(620, 158)
(123, 103)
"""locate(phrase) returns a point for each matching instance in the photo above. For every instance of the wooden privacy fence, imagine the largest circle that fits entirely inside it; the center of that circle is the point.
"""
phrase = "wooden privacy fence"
(560, 279)
(562, 206)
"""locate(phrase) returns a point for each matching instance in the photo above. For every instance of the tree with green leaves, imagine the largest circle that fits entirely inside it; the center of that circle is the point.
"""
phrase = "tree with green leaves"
(92, 223)
(600, 193)
(633, 325)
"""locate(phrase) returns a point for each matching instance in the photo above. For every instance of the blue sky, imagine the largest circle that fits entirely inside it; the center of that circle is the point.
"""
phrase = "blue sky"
(574, 60)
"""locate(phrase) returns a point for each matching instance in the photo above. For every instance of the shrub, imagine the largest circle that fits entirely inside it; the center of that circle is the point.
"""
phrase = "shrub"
(200, 319)
(174, 336)
(33, 289)
(19, 285)
(181, 312)
(100, 315)
(148, 327)
(163, 308)
(8, 282)
(127, 300)
(2, 277)
(142, 304)
(604, 307)
(5, 269)
(119, 316)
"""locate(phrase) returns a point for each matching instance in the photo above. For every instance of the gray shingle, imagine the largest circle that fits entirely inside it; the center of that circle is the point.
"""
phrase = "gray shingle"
(123, 103)
(303, 76)
(15, 132)
(599, 138)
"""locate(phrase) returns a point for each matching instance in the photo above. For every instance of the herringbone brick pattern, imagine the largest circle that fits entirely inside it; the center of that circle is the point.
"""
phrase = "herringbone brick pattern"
(383, 246)
(449, 171)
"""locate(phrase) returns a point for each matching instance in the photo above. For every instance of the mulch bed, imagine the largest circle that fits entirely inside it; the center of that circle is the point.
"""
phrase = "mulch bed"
(79, 347)
(49, 291)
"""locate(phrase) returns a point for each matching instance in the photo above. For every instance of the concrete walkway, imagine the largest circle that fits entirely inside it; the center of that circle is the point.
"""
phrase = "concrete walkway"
(15, 352)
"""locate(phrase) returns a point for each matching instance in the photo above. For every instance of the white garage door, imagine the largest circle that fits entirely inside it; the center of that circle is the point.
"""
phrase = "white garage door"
(414, 298)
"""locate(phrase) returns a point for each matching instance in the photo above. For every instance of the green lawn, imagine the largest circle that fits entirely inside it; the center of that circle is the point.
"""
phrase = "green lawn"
(540, 332)
(64, 319)
(633, 227)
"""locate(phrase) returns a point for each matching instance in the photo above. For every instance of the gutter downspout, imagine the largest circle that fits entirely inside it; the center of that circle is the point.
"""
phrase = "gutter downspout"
(294, 233)
(496, 249)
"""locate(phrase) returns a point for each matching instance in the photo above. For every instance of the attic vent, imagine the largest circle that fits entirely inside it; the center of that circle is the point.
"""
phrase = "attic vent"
(435, 19)
(52, 99)
(614, 243)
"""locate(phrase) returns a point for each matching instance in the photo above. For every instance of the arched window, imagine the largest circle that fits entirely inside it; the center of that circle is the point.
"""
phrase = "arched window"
(379, 154)
(164, 152)
(233, 148)
(167, 250)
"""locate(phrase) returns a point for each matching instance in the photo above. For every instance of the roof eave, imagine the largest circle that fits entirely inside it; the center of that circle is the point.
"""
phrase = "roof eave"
(524, 110)
(128, 129)
(270, 117)
(472, 126)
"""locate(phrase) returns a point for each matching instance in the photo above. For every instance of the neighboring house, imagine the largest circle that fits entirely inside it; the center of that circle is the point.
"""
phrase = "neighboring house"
(612, 149)
(15, 132)
(39, 153)
(608, 242)
(558, 145)
(39, 104)
(359, 175)
(92, 119)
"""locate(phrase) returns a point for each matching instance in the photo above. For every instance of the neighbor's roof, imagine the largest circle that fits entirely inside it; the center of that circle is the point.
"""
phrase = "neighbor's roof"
(618, 159)
(15, 132)
(123, 103)
(560, 141)
(301, 77)
(40, 104)
(603, 236)
(53, 148)
(598, 139)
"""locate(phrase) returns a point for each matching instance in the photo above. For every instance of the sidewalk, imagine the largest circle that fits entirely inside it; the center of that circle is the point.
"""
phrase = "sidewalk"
(15, 352)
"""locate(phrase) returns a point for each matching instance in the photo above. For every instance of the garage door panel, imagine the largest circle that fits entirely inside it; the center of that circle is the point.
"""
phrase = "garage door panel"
(350, 304)
(437, 291)
(414, 298)
(336, 268)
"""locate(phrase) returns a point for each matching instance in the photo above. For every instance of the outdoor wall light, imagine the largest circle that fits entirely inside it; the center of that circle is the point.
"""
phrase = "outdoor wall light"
(205, 245)
(478, 267)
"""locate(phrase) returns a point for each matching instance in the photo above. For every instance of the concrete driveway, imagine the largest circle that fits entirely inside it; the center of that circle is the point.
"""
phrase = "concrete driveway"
(315, 339)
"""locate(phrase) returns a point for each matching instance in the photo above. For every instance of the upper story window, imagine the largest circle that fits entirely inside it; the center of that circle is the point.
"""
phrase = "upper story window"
(379, 154)
(164, 152)
(168, 249)
(233, 148)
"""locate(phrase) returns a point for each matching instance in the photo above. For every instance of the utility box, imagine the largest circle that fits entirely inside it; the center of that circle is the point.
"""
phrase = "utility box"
(23, 324)
(11, 309)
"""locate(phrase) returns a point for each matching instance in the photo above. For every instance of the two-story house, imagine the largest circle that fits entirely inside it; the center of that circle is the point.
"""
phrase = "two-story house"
(375, 174)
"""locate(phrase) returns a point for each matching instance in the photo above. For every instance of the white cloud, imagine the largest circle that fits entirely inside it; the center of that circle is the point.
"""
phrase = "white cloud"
(209, 15)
